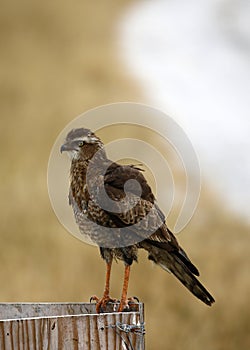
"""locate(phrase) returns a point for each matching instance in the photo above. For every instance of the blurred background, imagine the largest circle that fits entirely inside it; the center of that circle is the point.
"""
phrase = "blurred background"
(58, 59)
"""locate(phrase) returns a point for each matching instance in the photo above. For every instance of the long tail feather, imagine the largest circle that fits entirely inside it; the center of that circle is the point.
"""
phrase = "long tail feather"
(181, 267)
(186, 277)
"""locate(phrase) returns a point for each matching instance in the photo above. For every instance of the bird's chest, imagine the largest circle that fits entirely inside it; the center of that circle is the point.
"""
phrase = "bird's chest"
(79, 194)
(80, 205)
(94, 223)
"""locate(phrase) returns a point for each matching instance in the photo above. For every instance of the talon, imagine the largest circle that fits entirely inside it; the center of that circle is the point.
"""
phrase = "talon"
(133, 299)
(128, 305)
(94, 298)
(124, 306)
(101, 303)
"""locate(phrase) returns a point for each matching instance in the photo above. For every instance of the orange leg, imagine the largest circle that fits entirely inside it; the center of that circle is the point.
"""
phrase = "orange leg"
(107, 283)
(101, 303)
(124, 301)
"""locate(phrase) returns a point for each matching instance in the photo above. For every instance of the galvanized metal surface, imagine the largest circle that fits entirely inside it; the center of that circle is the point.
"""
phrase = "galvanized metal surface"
(66, 326)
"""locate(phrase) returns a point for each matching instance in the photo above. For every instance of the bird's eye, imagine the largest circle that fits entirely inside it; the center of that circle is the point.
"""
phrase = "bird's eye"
(80, 144)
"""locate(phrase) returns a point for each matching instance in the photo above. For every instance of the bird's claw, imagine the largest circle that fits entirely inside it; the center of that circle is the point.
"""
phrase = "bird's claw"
(124, 306)
(94, 298)
(134, 299)
(101, 303)
(128, 305)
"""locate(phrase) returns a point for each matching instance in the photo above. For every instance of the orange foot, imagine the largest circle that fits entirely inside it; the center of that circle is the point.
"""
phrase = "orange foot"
(101, 304)
(128, 304)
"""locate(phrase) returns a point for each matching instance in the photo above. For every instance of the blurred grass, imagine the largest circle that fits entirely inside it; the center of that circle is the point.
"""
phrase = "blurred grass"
(58, 60)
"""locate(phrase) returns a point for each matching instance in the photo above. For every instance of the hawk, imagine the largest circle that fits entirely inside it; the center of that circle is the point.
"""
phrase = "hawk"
(114, 206)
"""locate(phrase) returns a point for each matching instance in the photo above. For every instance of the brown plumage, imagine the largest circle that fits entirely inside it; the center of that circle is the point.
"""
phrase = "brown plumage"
(115, 207)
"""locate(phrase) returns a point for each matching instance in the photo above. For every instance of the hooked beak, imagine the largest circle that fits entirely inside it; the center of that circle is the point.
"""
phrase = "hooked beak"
(66, 147)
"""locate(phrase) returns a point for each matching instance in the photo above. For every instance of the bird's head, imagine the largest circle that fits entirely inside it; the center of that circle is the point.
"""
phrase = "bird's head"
(81, 144)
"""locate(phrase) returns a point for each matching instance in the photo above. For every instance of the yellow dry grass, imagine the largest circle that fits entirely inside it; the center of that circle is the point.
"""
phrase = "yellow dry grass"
(58, 60)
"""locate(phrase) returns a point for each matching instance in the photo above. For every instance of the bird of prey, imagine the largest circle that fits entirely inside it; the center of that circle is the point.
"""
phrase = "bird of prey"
(114, 206)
